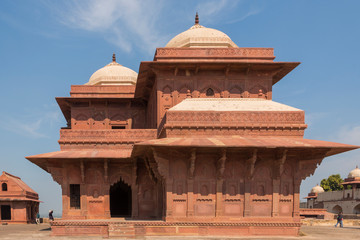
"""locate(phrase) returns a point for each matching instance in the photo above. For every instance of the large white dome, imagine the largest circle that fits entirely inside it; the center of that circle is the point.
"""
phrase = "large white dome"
(113, 74)
(317, 189)
(354, 173)
(201, 37)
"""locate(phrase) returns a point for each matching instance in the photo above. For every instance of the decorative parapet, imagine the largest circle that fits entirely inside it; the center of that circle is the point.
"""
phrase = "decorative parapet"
(120, 91)
(209, 54)
(125, 136)
(233, 123)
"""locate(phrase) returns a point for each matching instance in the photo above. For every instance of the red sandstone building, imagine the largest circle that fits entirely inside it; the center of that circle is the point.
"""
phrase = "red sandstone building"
(18, 202)
(193, 140)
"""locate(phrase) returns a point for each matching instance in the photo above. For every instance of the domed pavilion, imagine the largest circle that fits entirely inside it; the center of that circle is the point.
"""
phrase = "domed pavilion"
(346, 200)
(191, 145)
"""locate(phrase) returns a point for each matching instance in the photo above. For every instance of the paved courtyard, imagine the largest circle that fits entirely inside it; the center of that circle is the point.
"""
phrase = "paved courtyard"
(43, 231)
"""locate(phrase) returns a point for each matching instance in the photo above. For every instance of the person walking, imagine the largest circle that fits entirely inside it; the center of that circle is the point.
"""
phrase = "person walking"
(37, 218)
(51, 215)
(339, 220)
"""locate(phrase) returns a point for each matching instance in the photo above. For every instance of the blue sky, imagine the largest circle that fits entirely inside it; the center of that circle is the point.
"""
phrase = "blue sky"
(46, 46)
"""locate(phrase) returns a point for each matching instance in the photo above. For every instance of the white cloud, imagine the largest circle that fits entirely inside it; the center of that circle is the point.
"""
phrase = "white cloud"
(246, 15)
(125, 24)
(349, 135)
(31, 126)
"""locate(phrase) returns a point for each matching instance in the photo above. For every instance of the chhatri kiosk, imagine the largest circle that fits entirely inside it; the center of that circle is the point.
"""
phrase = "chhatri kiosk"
(192, 145)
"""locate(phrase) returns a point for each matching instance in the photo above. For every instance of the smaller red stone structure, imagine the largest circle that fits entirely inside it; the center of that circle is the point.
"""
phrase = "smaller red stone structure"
(18, 202)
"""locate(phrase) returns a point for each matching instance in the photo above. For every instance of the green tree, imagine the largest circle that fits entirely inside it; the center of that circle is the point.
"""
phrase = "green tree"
(332, 183)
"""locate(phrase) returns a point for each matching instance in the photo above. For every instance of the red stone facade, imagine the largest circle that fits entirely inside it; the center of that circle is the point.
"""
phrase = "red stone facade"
(198, 144)
(18, 202)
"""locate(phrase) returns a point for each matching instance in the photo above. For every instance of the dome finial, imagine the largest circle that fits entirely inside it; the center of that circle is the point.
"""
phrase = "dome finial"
(196, 18)
(114, 58)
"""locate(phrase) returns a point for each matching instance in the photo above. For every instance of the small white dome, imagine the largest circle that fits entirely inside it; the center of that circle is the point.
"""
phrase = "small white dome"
(113, 74)
(201, 37)
(317, 189)
(354, 173)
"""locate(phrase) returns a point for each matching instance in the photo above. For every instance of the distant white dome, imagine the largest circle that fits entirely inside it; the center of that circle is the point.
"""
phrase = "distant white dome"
(201, 37)
(317, 189)
(354, 173)
(113, 74)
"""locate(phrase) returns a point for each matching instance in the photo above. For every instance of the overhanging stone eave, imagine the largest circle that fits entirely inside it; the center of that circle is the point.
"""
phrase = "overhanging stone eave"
(290, 143)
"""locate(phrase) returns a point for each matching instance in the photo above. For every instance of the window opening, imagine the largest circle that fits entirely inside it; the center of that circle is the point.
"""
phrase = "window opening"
(209, 92)
(75, 196)
(4, 186)
(118, 127)
(5, 212)
(120, 200)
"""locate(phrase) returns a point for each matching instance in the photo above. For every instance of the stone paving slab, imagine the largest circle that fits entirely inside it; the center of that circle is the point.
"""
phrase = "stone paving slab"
(43, 231)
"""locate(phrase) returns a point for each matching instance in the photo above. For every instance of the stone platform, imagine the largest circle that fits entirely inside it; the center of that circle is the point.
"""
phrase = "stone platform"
(132, 229)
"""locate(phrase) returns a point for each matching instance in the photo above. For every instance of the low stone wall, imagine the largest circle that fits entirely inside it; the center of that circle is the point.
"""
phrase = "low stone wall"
(323, 222)
(161, 228)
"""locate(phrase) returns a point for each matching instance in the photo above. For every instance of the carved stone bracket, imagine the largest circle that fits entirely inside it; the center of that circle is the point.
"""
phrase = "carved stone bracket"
(82, 171)
(221, 164)
(106, 174)
(56, 174)
(162, 164)
(250, 164)
(192, 163)
(307, 167)
(280, 159)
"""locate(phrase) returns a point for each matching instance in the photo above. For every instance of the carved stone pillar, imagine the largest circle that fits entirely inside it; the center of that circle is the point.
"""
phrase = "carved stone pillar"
(219, 183)
(219, 198)
(250, 168)
(190, 184)
(65, 200)
(275, 198)
(169, 197)
(247, 194)
(190, 198)
(296, 207)
(107, 200)
(134, 194)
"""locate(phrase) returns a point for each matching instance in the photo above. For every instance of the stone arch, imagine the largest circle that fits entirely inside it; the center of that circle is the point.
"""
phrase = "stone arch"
(210, 86)
(120, 199)
(184, 88)
(336, 209)
(260, 190)
(258, 90)
(262, 172)
(118, 117)
(232, 190)
(117, 178)
(204, 191)
(210, 92)
(357, 209)
(81, 117)
(179, 169)
(93, 176)
(167, 90)
(99, 116)
(4, 187)
(235, 92)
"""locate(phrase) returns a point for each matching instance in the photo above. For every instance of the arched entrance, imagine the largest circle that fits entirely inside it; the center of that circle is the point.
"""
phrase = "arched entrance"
(337, 209)
(120, 200)
(357, 209)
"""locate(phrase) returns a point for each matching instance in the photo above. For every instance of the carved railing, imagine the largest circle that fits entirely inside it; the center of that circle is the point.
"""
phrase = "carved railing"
(259, 53)
(108, 135)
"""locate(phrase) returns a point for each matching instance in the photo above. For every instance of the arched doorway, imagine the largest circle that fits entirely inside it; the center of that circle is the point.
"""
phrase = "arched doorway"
(120, 200)
(337, 209)
(357, 209)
